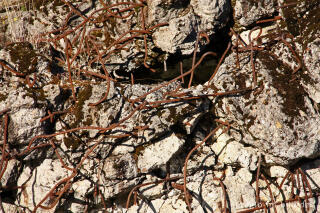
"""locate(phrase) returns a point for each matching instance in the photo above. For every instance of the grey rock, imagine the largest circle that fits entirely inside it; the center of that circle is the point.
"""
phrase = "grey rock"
(241, 192)
(248, 12)
(152, 156)
(280, 119)
(11, 173)
(8, 207)
(119, 167)
(234, 153)
(273, 120)
(278, 171)
(112, 189)
(311, 60)
(184, 21)
(24, 116)
(312, 171)
(153, 191)
(81, 189)
(38, 182)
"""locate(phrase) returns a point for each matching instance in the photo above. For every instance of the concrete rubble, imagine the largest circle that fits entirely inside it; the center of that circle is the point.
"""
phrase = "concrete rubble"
(135, 140)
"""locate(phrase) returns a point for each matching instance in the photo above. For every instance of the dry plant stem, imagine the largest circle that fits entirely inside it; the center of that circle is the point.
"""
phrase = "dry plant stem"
(138, 33)
(232, 92)
(74, 9)
(77, 35)
(135, 201)
(31, 84)
(67, 43)
(257, 180)
(114, 44)
(236, 47)
(283, 39)
(102, 130)
(68, 32)
(173, 93)
(3, 151)
(305, 180)
(298, 179)
(60, 60)
(115, 48)
(51, 115)
(292, 185)
(3, 64)
(265, 207)
(95, 20)
(61, 192)
(243, 43)
(67, 181)
(4, 111)
(251, 54)
(287, 5)
(220, 61)
(106, 74)
(112, 126)
(102, 199)
(283, 180)
(107, 8)
(245, 49)
(236, 50)
(304, 183)
(132, 79)
(269, 20)
(117, 42)
(145, 42)
(178, 186)
(292, 200)
(146, 184)
(181, 71)
(52, 32)
(173, 80)
(80, 46)
(270, 192)
(86, 72)
(60, 158)
(304, 189)
(133, 6)
(224, 193)
(99, 192)
(186, 164)
(200, 34)
(301, 205)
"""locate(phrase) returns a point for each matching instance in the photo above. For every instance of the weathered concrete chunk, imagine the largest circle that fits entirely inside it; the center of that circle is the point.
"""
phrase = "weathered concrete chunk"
(275, 119)
(247, 12)
(311, 59)
(152, 156)
(185, 19)
(119, 167)
(38, 182)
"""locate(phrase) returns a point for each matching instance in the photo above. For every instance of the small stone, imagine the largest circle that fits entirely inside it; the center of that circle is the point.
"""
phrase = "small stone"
(247, 12)
(278, 125)
(153, 156)
(278, 171)
(120, 167)
(245, 175)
